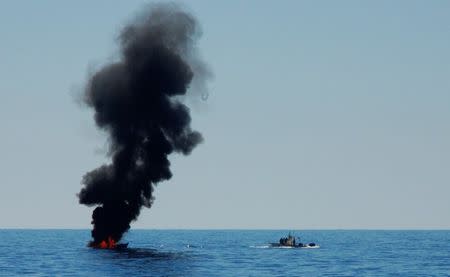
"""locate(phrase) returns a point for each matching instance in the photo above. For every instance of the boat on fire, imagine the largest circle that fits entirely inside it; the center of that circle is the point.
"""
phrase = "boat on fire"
(108, 244)
(290, 242)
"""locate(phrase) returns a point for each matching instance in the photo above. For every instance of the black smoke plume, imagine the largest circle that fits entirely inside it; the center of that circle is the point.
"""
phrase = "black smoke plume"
(138, 102)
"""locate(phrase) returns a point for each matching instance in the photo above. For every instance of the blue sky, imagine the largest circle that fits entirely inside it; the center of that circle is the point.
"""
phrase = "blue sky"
(322, 114)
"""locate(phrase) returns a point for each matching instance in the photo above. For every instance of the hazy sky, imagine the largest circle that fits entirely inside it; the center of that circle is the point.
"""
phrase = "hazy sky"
(322, 114)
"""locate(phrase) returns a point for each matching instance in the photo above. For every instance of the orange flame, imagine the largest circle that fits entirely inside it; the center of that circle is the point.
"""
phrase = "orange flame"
(110, 244)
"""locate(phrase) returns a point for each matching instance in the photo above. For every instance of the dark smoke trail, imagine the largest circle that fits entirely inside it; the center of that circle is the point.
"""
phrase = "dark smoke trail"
(136, 100)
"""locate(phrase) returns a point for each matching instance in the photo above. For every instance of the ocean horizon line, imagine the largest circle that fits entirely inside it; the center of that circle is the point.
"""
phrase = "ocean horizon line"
(229, 229)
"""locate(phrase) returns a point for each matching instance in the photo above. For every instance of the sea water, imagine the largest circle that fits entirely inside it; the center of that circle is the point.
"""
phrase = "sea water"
(227, 253)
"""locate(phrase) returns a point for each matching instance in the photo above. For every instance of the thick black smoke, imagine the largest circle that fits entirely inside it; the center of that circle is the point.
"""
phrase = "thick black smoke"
(137, 101)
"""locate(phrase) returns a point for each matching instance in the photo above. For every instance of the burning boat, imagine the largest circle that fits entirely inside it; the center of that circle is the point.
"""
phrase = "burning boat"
(108, 244)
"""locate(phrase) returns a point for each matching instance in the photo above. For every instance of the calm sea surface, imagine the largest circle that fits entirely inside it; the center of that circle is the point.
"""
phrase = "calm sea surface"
(227, 253)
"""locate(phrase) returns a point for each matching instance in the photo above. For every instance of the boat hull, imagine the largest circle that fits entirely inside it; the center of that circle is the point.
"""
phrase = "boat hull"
(300, 245)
